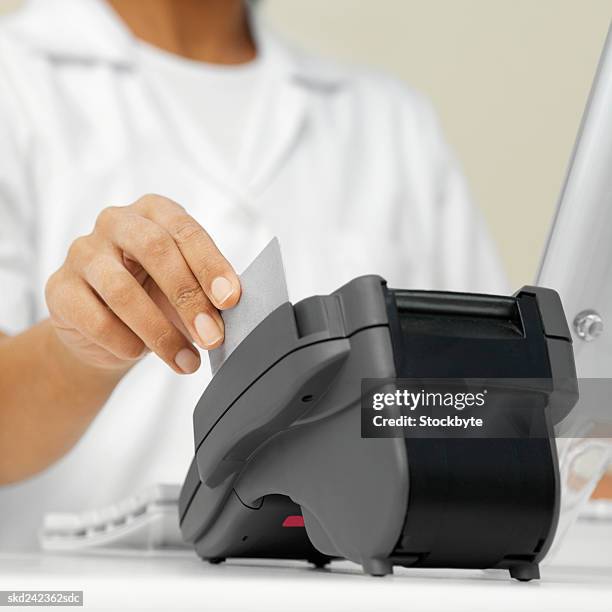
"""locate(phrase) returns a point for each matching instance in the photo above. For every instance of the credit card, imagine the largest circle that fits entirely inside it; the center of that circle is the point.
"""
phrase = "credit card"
(264, 289)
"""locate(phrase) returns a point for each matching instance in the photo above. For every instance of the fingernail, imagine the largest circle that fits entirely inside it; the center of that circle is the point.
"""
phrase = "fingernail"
(207, 329)
(187, 361)
(221, 289)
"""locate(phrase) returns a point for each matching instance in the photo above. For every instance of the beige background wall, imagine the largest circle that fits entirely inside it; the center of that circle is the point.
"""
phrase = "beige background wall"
(509, 79)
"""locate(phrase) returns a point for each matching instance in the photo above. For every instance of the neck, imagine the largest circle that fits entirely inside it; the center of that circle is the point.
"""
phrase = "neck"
(214, 31)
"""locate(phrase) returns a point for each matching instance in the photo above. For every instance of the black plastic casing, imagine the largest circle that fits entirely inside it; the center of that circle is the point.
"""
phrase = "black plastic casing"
(484, 502)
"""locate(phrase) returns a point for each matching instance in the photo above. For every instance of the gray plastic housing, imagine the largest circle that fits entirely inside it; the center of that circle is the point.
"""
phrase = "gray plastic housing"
(292, 390)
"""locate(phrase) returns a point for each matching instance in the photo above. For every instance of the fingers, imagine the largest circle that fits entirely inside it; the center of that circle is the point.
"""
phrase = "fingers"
(148, 276)
(76, 307)
(154, 249)
(212, 271)
(133, 306)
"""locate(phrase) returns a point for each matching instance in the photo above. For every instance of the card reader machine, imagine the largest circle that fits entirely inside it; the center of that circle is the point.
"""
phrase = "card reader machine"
(281, 469)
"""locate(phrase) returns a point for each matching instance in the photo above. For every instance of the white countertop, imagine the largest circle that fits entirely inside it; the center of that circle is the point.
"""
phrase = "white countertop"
(579, 579)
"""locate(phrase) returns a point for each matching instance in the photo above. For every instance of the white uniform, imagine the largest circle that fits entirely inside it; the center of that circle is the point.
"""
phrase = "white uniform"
(348, 168)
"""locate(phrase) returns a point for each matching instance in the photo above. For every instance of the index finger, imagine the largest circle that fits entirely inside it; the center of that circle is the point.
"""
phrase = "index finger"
(214, 273)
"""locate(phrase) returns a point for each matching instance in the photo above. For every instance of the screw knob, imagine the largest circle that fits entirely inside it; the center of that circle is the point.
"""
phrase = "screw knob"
(588, 325)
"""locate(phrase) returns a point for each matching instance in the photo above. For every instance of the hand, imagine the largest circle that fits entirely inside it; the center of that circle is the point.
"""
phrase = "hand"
(148, 277)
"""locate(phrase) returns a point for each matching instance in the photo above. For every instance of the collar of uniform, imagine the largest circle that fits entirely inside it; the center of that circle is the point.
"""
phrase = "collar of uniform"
(72, 30)
(90, 31)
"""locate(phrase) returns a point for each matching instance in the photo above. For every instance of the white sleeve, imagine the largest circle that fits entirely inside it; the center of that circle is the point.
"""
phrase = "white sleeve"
(16, 219)
(465, 257)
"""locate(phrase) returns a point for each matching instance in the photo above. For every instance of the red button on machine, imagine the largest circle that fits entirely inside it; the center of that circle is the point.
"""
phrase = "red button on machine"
(294, 520)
